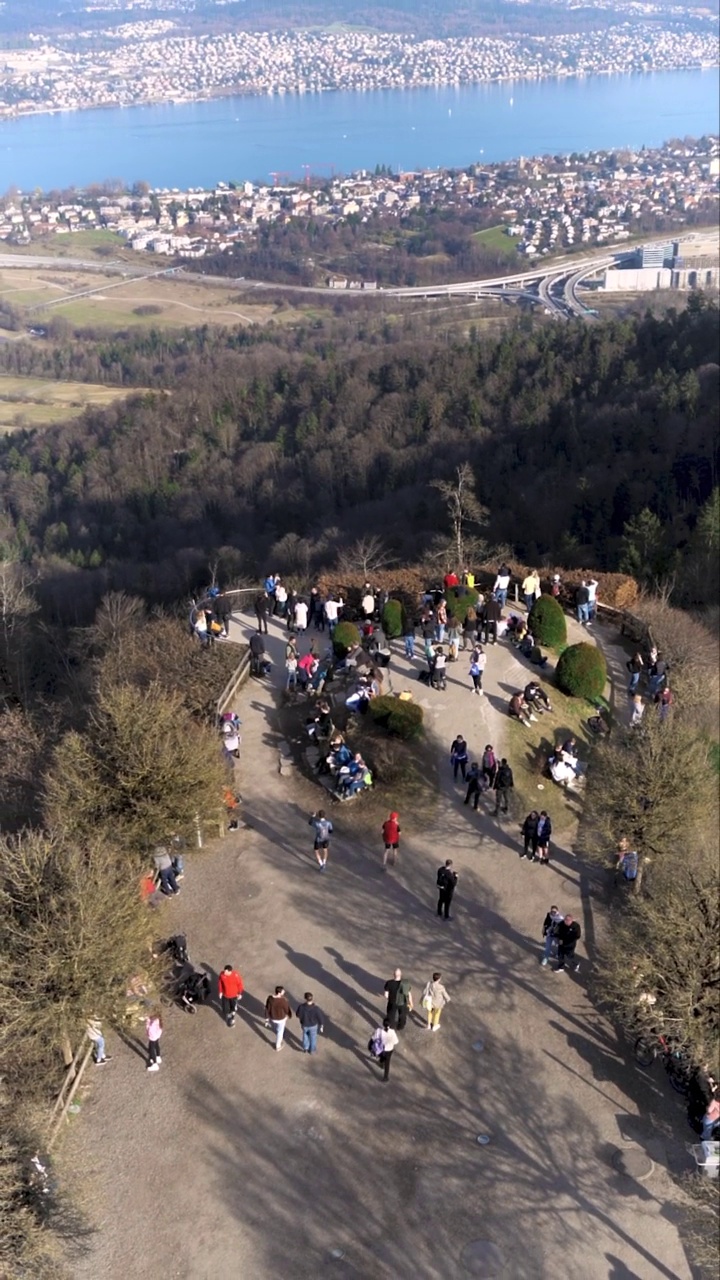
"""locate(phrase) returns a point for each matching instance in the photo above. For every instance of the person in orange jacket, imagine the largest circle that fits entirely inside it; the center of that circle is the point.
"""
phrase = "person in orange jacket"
(230, 988)
(391, 836)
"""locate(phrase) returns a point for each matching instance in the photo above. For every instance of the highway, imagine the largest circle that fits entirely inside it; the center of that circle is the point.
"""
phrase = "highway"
(553, 286)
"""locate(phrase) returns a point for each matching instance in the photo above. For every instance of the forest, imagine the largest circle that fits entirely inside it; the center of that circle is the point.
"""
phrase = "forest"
(278, 448)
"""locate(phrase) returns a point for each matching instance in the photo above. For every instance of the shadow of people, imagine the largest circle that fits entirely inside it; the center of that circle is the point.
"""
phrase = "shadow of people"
(316, 970)
(368, 981)
(132, 1042)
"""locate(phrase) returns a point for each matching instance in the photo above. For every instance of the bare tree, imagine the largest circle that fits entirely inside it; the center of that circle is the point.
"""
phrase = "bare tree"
(367, 556)
(463, 509)
(17, 606)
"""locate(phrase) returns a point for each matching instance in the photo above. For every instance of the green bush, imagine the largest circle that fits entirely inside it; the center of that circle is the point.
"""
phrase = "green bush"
(392, 619)
(547, 622)
(345, 636)
(459, 600)
(403, 719)
(581, 671)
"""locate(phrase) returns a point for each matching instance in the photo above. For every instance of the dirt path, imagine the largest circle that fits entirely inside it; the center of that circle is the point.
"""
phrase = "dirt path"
(236, 1161)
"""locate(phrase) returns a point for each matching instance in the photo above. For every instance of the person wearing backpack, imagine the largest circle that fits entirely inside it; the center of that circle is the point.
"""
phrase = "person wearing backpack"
(382, 1045)
(446, 881)
(627, 863)
(504, 782)
(477, 667)
(398, 994)
(323, 831)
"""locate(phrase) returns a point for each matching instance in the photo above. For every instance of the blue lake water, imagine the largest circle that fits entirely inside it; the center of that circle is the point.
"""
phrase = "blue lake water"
(197, 144)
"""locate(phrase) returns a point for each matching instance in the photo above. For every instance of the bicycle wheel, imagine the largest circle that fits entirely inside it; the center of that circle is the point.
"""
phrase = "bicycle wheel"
(679, 1073)
(645, 1051)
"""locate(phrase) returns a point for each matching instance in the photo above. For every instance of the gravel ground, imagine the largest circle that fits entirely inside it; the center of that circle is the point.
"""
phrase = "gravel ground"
(236, 1161)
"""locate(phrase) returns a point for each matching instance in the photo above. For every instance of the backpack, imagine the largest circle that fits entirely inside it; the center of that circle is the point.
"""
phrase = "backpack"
(630, 866)
(442, 878)
(375, 1043)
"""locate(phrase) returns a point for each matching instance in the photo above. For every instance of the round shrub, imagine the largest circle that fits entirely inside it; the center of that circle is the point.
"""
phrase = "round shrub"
(392, 619)
(459, 600)
(581, 671)
(345, 636)
(402, 719)
(547, 622)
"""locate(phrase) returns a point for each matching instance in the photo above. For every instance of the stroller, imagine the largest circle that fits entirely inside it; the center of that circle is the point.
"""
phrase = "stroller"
(192, 988)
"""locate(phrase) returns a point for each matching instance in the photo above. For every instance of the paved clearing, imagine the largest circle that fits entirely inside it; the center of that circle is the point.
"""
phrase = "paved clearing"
(236, 1161)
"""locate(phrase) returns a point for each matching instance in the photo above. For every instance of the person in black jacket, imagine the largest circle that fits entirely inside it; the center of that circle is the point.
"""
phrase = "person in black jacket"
(490, 616)
(446, 882)
(504, 782)
(529, 831)
(262, 605)
(568, 935)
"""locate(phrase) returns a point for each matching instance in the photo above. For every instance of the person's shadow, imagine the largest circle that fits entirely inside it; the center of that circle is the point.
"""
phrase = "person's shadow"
(369, 982)
(132, 1042)
(315, 970)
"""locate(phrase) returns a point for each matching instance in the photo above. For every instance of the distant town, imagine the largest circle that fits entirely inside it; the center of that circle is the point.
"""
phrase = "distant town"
(534, 207)
(144, 62)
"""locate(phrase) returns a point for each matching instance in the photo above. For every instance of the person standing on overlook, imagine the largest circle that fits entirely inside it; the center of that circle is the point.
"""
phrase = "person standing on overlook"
(531, 589)
(501, 585)
(262, 605)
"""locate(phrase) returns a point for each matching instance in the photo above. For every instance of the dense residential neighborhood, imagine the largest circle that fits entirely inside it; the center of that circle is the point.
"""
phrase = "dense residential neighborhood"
(537, 206)
(144, 61)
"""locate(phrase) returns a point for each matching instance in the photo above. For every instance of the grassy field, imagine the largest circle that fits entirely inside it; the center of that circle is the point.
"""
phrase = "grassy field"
(495, 238)
(85, 298)
(79, 244)
(36, 402)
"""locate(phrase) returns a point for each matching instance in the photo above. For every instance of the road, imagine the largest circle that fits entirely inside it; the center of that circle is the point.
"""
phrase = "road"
(544, 278)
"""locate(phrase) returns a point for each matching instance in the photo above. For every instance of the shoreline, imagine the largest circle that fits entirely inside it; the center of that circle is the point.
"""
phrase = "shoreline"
(235, 91)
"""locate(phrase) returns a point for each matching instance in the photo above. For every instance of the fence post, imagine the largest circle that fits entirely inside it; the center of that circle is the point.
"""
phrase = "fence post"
(75, 1085)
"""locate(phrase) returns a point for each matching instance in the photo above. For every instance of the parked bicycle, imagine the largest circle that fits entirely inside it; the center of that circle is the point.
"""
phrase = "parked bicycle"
(676, 1061)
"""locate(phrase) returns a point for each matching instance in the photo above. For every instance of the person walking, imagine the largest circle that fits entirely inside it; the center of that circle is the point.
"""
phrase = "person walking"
(323, 831)
(544, 832)
(391, 838)
(230, 990)
(446, 881)
(277, 1013)
(434, 999)
(312, 1022)
(459, 756)
(153, 1031)
(478, 661)
(389, 1041)
(398, 994)
(568, 933)
(529, 831)
(94, 1032)
(476, 784)
(489, 765)
(503, 784)
(552, 921)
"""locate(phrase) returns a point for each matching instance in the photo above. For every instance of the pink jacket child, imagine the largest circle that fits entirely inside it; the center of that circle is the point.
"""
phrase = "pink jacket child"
(153, 1031)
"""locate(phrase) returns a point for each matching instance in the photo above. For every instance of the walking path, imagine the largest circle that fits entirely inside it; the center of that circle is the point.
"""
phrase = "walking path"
(234, 1161)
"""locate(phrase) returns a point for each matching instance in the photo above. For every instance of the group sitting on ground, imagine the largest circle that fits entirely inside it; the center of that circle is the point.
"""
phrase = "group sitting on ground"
(564, 766)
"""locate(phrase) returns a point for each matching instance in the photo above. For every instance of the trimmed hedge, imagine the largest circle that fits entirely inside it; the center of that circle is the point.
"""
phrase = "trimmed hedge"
(581, 671)
(547, 622)
(459, 600)
(345, 636)
(402, 719)
(392, 619)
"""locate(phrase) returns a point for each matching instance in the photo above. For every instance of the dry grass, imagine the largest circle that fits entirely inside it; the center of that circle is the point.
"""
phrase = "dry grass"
(37, 402)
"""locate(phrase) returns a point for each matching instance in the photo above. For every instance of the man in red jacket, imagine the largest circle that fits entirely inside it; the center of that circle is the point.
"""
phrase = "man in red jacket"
(230, 989)
(391, 836)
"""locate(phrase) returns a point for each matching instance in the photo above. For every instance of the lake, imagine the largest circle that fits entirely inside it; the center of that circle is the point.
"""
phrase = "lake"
(198, 144)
